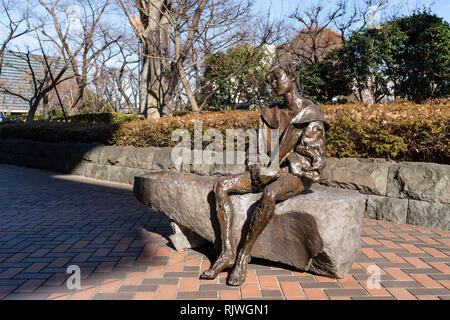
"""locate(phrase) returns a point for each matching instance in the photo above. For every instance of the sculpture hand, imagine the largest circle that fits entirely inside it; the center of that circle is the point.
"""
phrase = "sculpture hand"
(264, 175)
(301, 149)
(255, 172)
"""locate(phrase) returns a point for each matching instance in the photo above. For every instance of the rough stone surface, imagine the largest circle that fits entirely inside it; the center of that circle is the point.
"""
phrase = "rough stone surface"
(111, 155)
(420, 181)
(77, 168)
(365, 175)
(163, 160)
(216, 169)
(98, 171)
(429, 214)
(123, 174)
(385, 208)
(317, 231)
(226, 169)
(141, 158)
(80, 151)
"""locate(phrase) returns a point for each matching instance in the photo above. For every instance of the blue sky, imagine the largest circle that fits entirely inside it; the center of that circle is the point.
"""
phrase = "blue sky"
(279, 8)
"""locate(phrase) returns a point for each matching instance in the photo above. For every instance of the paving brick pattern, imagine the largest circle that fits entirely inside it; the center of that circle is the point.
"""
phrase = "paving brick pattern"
(49, 222)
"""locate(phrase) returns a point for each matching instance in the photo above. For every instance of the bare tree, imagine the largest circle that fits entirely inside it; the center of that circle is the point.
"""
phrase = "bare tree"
(125, 78)
(359, 15)
(314, 38)
(150, 23)
(117, 81)
(43, 73)
(15, 23)
(260, 31)
(322, 26)
(189, 31)
(81, 34)
(64, 94)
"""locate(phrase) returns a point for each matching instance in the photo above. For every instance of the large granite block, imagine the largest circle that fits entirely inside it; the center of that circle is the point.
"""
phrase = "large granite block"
(385, 208)
(365, 175)
(420, 181)
(82, 151)
(123, 174)
(162, 160)
(97, 171)
(77, 167)
(93, 154)
(316, 231)
(429, 214)
(141, 158)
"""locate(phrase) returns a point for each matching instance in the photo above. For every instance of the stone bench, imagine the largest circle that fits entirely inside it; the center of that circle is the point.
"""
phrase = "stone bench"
(316, 231)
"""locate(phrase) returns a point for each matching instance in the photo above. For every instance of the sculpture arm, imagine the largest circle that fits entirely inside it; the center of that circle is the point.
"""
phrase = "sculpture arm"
(313, 145)
(289, 141)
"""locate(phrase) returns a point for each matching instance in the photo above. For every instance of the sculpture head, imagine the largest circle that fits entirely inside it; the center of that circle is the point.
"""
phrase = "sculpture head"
(278, 78)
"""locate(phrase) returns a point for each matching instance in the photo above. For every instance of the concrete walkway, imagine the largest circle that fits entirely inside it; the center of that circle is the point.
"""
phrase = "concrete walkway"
(49, 222)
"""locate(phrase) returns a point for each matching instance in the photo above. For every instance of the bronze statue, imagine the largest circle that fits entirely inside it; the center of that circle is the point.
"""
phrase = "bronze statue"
(301, 128)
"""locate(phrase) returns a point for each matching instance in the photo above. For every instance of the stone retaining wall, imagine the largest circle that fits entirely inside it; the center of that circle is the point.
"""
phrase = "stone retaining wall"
(410, 192)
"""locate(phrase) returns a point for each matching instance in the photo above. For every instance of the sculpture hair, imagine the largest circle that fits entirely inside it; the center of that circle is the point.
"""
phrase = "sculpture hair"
(291, 69)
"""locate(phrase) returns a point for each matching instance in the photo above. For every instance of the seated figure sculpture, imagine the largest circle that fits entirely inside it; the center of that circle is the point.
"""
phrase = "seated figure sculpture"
(301, 155)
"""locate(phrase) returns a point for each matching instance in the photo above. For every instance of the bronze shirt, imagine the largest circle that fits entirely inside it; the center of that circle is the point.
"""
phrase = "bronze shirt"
(279, 117)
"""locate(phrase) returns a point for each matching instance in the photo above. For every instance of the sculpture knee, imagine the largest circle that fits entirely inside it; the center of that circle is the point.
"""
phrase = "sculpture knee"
(221, 189)
(268, 203)
(269, 195)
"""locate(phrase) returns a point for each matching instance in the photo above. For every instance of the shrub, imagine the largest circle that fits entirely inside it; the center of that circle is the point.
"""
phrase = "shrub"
(103, 118)
(58, 132)
(158, 132)
(400, 131)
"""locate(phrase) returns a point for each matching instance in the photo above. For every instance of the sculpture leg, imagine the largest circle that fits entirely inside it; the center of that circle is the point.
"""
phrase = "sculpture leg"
(285, 187)
(240, 183)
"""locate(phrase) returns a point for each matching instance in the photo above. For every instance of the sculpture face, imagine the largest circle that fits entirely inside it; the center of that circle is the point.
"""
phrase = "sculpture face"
(280, 82)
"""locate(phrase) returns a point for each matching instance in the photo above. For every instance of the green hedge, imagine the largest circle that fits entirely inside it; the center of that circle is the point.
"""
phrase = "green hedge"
(58, 132)
(401, 141)
(402, 132)
(103, 118)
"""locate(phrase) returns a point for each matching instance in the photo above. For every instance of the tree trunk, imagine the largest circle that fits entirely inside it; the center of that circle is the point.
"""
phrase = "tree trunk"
(147, 103)
(33, 107)
(45, 107)
(187, 87)
(163, 69)
(156, 48)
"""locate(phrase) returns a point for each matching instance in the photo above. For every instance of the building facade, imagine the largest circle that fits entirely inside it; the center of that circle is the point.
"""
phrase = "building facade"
(16, 77)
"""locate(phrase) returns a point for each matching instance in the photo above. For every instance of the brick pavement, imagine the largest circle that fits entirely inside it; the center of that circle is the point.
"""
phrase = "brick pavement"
(50, 221)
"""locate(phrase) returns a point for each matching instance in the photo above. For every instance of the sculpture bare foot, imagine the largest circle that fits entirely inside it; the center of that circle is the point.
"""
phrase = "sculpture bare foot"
(239, 273)
(224, 261)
